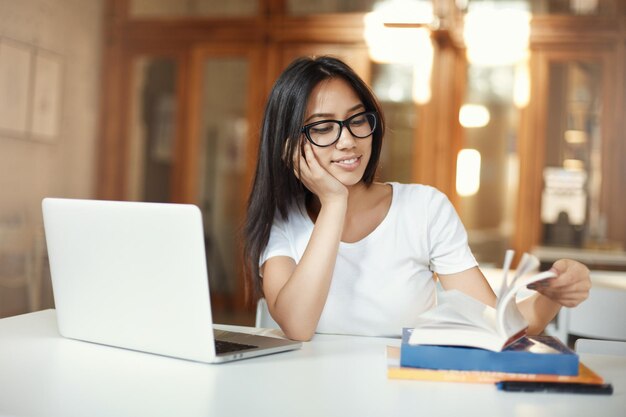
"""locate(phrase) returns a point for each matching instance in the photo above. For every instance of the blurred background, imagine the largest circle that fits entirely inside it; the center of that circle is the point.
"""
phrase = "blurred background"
(515, 109)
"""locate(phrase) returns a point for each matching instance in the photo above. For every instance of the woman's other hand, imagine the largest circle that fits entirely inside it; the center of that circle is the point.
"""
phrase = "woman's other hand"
(571, 285)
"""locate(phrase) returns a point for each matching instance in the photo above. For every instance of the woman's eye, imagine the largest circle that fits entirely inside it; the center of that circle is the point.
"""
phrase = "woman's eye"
(358, 121)
(321, 129)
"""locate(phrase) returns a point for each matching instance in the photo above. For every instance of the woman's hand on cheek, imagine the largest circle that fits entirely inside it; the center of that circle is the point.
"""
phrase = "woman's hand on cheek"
(316, 178)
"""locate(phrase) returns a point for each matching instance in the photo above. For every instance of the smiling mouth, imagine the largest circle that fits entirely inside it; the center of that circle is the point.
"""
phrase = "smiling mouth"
(348, 161)
(349, 164)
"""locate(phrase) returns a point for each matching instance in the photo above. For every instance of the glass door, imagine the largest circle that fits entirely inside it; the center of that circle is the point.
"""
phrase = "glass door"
(192, 139)
(567, 177)
(571, 210)
(152, 128)
(224, 122)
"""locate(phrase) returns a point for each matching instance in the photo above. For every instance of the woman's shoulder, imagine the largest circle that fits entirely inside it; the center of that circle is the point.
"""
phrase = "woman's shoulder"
(422, 193)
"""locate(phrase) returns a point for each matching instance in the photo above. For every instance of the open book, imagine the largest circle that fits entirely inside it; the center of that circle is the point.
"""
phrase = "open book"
(460, 320)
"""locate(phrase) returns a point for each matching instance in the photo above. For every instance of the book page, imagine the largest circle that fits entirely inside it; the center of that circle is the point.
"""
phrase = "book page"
(457, 308)
(509, 319)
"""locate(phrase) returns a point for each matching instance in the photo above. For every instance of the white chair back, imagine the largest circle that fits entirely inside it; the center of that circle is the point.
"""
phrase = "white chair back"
(263, 317)
(600, 347)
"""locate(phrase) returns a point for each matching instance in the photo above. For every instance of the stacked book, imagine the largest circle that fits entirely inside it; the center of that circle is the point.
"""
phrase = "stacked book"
(463, 340)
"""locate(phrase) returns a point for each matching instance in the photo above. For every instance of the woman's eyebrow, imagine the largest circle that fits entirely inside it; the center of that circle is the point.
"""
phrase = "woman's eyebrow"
(353, 108)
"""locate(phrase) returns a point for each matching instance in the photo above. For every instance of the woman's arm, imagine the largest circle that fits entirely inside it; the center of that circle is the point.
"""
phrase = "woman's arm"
(296, 293)
(471, 282)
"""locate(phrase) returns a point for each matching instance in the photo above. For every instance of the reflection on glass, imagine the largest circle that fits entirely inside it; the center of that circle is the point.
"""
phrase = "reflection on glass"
(570, 207)
(496, 34)
(306, 7)
(152, 129)
(392, 85)
(474, 115)
(491, 129)
(468, 172)
(407, 46)
(573, 7)
(223, 135)
(181, 8)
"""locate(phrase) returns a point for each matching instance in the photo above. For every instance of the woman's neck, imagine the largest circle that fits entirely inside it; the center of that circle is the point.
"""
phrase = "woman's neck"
(358, 195)
(368, 206)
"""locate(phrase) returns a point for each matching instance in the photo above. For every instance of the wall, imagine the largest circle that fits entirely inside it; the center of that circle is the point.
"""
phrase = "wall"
(64, 166)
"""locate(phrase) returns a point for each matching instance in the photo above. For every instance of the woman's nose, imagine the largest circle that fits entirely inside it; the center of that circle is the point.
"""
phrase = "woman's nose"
(346, 140)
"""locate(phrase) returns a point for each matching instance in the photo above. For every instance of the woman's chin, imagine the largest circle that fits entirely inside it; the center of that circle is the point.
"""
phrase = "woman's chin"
(350, 181)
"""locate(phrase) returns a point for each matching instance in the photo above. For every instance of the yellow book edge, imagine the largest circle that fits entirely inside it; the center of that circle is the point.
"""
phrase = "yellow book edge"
(395, 371)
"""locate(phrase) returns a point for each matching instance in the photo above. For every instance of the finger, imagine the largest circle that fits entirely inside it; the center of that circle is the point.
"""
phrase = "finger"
(569, 301)
(570, 268)
(299, 164)
(295, 157)
(575, 273)
(562, 265)
(560, 296)
(540, 284)
(285, 154)
(309, 155)
(555, 286)
(299, 155)
(569, 280)
(562, 293)
(301, 169)
(573, 302)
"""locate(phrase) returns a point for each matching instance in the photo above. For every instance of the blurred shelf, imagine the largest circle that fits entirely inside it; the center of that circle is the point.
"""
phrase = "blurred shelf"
(614, 260)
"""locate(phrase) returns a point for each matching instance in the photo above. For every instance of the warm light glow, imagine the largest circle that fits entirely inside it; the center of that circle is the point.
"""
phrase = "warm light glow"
(412, 46)
(422, 70)
(395, 92)
(474, 115)
(574, 164)
(584, 6)
(392, 44)
(468, 172)
(496, 37)
(521, 88)
(575, 136)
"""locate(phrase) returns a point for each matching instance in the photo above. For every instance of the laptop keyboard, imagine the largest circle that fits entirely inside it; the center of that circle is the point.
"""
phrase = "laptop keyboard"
(222, 346)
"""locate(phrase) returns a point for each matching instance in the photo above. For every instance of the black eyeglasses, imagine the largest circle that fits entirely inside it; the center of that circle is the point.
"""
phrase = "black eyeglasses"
(327, 132)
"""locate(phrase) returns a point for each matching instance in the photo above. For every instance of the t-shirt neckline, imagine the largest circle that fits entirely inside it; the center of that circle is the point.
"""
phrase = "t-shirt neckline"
(374, 232)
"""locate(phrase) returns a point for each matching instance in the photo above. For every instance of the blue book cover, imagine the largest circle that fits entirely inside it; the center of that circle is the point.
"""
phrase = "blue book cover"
(528, 355)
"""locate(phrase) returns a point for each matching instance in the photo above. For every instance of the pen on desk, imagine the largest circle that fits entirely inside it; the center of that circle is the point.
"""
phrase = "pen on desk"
(572, 388)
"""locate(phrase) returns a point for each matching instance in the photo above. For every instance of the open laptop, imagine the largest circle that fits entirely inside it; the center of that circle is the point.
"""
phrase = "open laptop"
(134, 275)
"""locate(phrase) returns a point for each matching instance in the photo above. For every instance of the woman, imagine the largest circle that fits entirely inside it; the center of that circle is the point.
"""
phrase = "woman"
(333, 251)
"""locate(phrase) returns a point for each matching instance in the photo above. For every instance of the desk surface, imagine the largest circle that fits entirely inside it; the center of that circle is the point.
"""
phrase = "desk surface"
(43, 374)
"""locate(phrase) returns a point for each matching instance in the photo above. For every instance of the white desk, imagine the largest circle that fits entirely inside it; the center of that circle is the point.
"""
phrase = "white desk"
(42, 374)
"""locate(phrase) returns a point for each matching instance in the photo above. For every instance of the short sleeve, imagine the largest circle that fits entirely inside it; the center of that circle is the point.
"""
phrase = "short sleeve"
(449, 249)
(279, 243)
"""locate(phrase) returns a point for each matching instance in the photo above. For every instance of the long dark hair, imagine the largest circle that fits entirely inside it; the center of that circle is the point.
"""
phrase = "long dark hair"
(275, 186)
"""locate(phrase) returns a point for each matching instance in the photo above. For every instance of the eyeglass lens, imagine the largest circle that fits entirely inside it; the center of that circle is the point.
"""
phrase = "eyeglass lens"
(360, 126)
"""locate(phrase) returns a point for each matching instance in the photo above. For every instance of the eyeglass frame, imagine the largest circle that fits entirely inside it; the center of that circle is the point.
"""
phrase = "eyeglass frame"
(341, 123)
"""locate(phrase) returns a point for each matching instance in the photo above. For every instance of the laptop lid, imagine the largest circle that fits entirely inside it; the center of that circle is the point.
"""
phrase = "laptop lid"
(132, 275)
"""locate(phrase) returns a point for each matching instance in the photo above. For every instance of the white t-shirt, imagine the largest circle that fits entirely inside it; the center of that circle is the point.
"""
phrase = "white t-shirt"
(384, 281)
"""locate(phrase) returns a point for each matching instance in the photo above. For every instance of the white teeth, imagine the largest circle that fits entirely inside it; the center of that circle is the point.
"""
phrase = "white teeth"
(348, 161)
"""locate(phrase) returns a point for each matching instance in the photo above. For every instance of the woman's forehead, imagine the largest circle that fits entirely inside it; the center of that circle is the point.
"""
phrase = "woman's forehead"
(332, 96)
